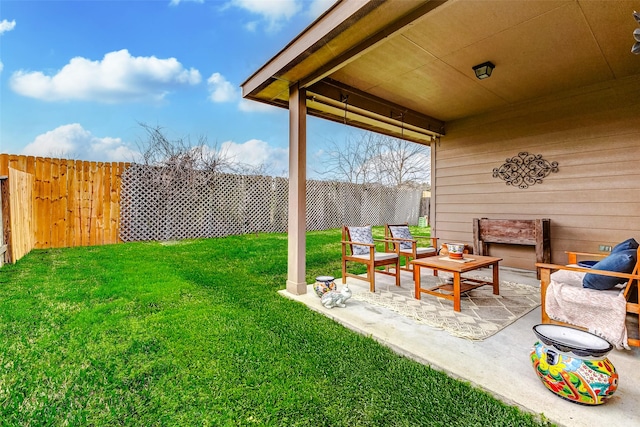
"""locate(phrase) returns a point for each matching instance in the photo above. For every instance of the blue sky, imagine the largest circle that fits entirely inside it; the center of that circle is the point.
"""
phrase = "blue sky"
(77, 77)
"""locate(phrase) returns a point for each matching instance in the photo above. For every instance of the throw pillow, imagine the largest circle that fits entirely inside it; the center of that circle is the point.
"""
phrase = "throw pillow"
(621, 261)
(361, 235)
(623, 246)
(401, 232)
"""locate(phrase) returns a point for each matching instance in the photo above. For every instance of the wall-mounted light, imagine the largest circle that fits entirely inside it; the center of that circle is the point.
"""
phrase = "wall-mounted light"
(484, 70)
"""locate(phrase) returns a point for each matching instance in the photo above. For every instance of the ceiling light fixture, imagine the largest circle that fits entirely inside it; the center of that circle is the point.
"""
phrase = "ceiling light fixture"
(484, 70)
(636, 35)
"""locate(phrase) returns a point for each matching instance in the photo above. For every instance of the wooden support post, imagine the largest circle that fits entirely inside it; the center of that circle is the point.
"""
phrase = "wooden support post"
(296, 281)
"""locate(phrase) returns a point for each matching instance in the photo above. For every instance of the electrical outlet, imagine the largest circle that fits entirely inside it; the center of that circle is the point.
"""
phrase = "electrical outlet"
(604, 248)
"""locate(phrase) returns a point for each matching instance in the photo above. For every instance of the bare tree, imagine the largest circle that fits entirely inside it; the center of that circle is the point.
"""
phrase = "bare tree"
(369, 157)
(181, 154)
(401, 162)
(351, 161)
(61, 153)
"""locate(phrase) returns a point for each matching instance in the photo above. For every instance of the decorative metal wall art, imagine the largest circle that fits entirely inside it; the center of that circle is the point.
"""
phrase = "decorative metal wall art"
(525, 170)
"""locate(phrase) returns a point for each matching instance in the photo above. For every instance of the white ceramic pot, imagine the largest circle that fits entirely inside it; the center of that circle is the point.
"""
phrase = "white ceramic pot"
(456, 250)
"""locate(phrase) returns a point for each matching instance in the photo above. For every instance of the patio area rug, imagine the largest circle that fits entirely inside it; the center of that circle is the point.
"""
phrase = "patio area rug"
(483, 314)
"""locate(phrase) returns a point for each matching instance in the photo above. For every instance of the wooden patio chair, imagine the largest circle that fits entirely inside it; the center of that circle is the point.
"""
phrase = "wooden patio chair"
(400, 238)
(628, 288)
(358, 245)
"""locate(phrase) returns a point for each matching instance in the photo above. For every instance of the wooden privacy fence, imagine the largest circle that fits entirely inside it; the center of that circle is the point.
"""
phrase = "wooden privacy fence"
(71, 202)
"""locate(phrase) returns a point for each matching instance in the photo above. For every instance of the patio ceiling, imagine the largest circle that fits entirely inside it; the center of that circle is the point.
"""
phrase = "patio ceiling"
(404, 67)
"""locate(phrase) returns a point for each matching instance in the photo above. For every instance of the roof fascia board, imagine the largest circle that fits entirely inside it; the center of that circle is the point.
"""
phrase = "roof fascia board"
(371, 42)
(332, 21)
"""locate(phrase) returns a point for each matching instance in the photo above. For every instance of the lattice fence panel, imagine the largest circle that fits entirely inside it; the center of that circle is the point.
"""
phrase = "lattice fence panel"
(164, 204)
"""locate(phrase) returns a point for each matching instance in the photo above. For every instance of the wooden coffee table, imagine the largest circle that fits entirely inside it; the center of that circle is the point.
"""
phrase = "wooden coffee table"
(456, 267)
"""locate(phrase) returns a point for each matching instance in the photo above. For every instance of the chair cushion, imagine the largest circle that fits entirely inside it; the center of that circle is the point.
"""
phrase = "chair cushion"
(401, 232)
(378, 256)
(622, 261)
(623, 246)
(428, 250)
(360, 235)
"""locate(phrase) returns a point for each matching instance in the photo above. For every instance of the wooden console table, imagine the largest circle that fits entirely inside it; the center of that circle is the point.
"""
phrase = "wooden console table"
(531, 232)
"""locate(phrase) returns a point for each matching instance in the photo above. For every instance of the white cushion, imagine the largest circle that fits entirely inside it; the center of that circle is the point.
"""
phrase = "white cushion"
(378, 256)
(428, 250)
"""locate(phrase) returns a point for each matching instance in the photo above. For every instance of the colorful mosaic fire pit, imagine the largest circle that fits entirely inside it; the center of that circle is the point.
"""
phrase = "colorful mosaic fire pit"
(572, 364)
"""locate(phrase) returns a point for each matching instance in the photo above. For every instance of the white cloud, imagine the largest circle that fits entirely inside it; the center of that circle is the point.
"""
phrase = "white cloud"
(177, 2)
(258, 153)
(275, 12)
(119, 77)
(318, 7)
(6, 26)
(249, 106)
(73, 141)
(251, 26)
(220, 89)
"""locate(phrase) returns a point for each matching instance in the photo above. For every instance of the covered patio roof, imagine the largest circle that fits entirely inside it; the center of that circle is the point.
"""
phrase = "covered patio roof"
(404, 68)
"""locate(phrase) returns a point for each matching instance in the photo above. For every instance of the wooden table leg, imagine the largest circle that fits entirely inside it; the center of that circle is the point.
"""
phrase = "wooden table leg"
(496, 279)
(456, 291)
(416, 279)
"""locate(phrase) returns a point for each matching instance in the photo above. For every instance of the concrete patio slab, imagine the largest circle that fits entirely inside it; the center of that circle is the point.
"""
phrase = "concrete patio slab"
(500, 364)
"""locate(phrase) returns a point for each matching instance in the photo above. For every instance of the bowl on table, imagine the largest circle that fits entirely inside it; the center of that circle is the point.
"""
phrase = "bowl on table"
(456, 250)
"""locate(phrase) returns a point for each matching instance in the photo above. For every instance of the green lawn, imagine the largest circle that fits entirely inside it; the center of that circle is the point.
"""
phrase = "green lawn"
(194, 334)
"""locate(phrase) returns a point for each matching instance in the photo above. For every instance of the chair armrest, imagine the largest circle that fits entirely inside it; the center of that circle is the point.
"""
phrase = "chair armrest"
(371, 246)
(588, 270)
(390, 240)
(396, 247)
(601, 254)
(396, 239)
(434, 240)
(350, 242)
(572, 256)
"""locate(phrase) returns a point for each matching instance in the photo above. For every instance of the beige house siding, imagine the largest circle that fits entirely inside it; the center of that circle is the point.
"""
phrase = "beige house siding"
(594, 199)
